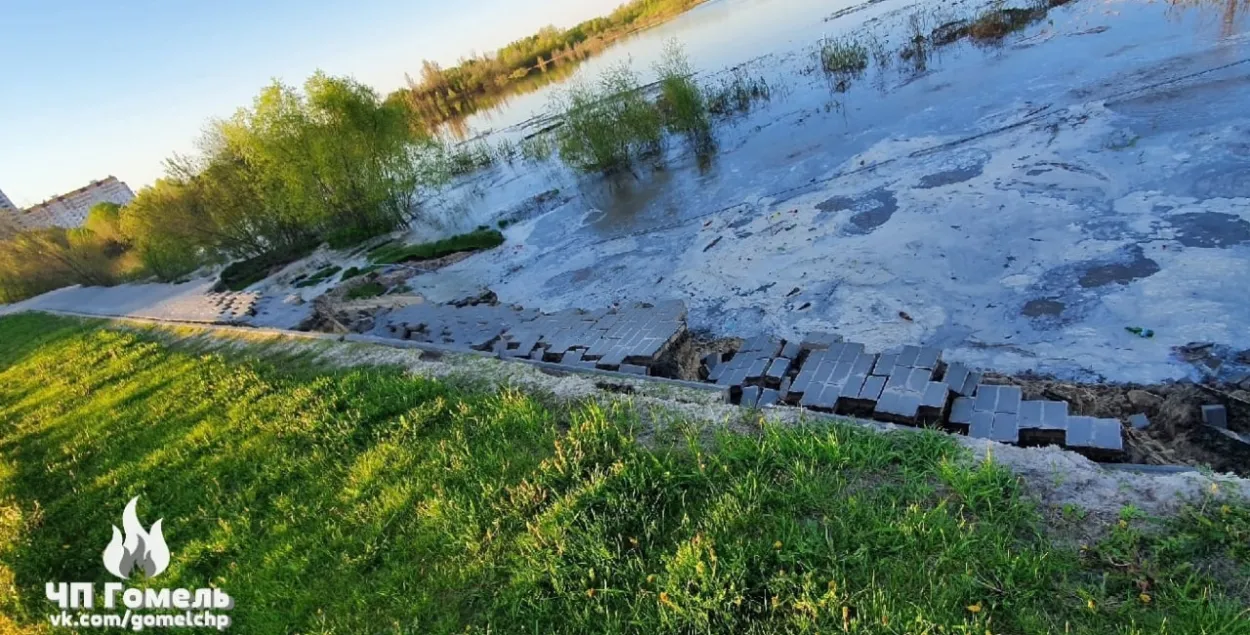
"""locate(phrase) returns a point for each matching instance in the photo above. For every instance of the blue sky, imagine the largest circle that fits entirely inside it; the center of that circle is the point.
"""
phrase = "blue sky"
(91, 88)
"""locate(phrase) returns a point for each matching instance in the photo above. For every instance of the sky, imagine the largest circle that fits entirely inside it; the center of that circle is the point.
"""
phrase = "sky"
(90, 88)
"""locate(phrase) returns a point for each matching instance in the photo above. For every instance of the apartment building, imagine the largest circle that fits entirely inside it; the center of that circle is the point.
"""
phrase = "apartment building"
(70, 209)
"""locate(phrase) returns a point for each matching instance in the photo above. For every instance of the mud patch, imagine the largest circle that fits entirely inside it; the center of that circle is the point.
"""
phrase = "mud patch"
(1042, 307)
(1210, 229)
(962, 166)
(684, 358)
(949, 177)
(1119, 272)
(869, 210)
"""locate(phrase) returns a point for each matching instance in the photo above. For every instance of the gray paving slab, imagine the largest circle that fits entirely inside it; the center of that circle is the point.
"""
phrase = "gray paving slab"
(1215, 416)
(778, 368)
(918, 380)
(852, 387)
(750, 396)
(1009, 398)
(907, 357)
(962, 411)
(1080, 432)
(863, 364)
(1006, 428)
(1030, 414)
(768, 397)
(1054, 415)
(928, 357)
(956, 375)
(986, 398)
(885, 364)
(970, 386)
(791, 350)
(1107, 435)
(982, 425)
(934, 395)
(872, 388)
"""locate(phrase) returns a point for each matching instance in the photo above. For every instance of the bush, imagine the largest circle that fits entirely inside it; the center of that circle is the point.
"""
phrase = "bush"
(394, 253)
(607, 128)
(681, 100)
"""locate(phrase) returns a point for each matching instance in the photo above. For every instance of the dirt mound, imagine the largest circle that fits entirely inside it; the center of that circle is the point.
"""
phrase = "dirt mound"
(1176, 434)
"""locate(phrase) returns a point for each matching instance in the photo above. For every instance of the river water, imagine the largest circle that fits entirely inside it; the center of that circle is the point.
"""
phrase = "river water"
(1018, 204)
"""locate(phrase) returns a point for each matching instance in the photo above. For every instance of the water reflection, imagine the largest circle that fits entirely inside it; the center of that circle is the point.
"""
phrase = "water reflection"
(1221, 18)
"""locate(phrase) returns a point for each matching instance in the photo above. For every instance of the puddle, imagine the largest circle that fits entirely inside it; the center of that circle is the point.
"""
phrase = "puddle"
(1210, 229)
(870, 210)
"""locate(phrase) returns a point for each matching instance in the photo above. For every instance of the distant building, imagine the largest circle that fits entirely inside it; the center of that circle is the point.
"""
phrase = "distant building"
(9, 216)
(70, 209)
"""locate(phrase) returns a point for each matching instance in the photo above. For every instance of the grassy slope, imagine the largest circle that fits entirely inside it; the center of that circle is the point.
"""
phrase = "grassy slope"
(365, 501)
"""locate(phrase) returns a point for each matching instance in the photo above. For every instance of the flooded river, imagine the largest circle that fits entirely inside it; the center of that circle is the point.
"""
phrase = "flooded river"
(1019, 204)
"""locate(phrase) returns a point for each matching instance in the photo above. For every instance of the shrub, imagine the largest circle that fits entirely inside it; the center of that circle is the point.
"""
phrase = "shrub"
(607, 128)
(681, 100)
(394, 253)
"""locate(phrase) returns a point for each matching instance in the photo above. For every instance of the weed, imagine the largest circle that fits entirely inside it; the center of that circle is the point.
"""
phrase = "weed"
(843, 56)
(394, 253)
(737, 93)
(537, 148)
(506, 151)
(997, 22)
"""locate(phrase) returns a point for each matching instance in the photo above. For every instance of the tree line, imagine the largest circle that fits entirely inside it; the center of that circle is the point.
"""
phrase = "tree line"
(332, 162)
(441, 94)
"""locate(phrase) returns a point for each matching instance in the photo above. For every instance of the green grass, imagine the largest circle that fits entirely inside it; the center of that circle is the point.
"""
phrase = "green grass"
(366, 290)
(368, 500)
(319, 276)
(394, 253)
(242, 274)
(355, 272)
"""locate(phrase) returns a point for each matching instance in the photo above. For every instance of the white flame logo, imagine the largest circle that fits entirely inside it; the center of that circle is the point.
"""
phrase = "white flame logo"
(147, 549)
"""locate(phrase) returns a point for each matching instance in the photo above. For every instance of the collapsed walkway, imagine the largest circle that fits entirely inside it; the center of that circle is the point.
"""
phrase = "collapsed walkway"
(911, 386)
